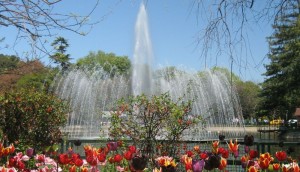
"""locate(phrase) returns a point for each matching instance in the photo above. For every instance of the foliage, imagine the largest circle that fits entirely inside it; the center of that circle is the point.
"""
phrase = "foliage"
(8, 62)
(41, 80)
(249, 97)
(148, 120)
(26, 74)
(280, 90)
(32, 118)
(108, 61)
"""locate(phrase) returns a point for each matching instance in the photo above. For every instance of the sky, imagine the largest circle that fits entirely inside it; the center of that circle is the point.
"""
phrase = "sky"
(173, 26)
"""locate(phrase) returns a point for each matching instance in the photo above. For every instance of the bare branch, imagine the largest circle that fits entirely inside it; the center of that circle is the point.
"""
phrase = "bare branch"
(228, 22)
(36, 19)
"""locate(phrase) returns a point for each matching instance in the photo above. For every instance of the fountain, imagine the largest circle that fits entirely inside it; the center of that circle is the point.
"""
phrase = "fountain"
(94, 92)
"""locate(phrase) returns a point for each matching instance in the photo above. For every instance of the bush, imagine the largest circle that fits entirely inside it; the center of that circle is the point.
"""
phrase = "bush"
(32, 118)
(146, 121)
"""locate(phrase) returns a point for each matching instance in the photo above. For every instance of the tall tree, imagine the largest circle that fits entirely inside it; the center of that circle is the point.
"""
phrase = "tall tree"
(281, 89)
(60, 44)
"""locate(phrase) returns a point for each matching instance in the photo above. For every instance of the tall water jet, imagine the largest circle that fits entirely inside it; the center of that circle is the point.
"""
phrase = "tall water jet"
(142, 56)
(93, 92)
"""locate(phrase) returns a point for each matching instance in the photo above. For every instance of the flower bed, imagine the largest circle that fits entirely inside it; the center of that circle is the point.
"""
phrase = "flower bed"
(118, 156)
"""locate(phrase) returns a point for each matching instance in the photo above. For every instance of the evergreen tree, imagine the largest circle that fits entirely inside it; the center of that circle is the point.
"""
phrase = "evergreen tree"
(281, 88)
(60, 44)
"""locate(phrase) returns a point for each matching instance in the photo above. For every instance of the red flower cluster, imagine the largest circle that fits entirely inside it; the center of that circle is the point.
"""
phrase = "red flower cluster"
(70, 160)
(109, 154)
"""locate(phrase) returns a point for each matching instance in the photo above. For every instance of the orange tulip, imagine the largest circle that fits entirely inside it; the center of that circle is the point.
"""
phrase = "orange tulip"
(266, 156)
(188, 164)
(276, 166)
(245, 158)
(233, 147)
(223, 164)
(197, 148)
(72, 169)
(84, 169)
(215, 146)
(11, 149)
(264, 163)
(252, 169)
(295, 167)
(6, 151)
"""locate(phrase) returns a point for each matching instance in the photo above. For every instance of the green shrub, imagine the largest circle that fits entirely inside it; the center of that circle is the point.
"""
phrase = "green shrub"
(32, 118)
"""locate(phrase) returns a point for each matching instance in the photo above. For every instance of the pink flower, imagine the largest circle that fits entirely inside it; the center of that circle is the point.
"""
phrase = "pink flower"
(25, 158)
(119, 168)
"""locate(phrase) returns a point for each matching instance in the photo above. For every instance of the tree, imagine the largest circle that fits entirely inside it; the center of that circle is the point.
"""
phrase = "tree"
(249, 98)
(110, 62)
(280, 90)
(8, 62)
(9, 78)
(60, 44)
(40, 80)
(36, 20)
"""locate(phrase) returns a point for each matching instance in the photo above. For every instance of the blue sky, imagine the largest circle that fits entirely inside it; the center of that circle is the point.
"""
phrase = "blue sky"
(173, 28)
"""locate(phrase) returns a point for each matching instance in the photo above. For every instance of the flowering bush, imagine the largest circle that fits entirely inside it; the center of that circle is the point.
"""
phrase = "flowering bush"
(146, 120)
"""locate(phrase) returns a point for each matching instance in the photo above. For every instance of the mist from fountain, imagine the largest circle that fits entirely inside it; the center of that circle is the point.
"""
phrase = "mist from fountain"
(92, 93)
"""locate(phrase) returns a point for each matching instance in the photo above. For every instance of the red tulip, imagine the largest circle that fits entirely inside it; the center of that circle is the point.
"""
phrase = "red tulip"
(63, 159)
(12, 162)
(203, 155)
(118, 158)
(101, 157)
(281, 155)
(225, 153)
(132, 149)
(253, 154)
(78, 162)
(128, 155)
(189, 153)
(91, 160)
